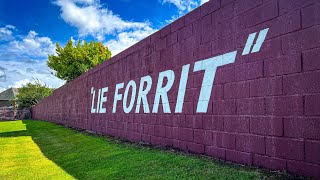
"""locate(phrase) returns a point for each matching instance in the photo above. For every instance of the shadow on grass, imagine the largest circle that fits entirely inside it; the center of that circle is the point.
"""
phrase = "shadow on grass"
(94, 157)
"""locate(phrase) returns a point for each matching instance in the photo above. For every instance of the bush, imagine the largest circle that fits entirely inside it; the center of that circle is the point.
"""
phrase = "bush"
(32, 93)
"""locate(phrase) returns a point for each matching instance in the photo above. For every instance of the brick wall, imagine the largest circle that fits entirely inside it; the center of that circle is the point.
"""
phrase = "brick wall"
(9, 113)
(263, 109)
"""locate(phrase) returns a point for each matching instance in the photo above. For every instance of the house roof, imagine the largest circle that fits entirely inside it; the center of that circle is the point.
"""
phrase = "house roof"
(9, 94)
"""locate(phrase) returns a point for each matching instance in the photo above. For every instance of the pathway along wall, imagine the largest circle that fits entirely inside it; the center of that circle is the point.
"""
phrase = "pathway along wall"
(236, 80)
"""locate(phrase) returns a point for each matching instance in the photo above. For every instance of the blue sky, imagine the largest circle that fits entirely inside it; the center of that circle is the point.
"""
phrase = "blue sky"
(30, 29)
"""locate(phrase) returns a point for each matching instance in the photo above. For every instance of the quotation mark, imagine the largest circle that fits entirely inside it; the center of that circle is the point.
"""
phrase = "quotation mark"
(256, 48)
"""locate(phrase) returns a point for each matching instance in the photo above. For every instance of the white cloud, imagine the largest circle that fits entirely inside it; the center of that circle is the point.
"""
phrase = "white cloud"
(183, 5)
(126, 39)
(18, 74)
(91, 18)
(23, 58)
(203, 1)
(6, 33)
(27, 47)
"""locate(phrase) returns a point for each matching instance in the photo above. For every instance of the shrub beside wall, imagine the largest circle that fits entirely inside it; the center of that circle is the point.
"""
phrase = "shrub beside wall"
(263, 109)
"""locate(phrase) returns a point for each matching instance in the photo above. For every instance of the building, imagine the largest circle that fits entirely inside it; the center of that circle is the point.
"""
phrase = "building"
(7, 97)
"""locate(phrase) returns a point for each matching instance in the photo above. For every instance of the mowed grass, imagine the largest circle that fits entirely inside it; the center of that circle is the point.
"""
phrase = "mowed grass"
(41, 150)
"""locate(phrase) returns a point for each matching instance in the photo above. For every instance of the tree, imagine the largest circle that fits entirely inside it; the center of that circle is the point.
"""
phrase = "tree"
(75, 59)
(32, 93)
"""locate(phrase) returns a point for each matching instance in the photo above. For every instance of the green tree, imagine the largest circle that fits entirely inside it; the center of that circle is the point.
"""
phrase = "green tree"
(75, 59)
(32, 93)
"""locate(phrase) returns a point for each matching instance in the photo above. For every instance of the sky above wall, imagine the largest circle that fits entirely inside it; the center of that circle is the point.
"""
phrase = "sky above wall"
(30, 29)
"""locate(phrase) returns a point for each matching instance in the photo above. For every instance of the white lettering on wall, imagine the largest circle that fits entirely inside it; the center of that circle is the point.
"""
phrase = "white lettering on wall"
(103, 99)
(182, 88)
(142, 94)
(117, 96)
(161, 92)
(209, 66)
(93, 92)
(133, 85)
(98, 102)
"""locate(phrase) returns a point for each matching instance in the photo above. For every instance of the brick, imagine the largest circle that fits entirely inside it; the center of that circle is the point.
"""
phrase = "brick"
(310, 15)
(196, 148)
(165, 31)
(250, 143)
(209, 7)
(284, 106)
(266, 87)
(188, 108)
(216, 152)
(308, 128)
(304, 169)
(246, 71)
(192, 16)
(239, 157)
(212, 122)
(258, 15)
(224, 140)
(269, 162)
(239, 124)
(178, 121)
(209, 35)
(270, 126)
(198, 79)
(166, 54)
(194, 121)
(312, 105)
(236, 90)
(169, 132)
(172, 38)
(251, 106)
(223, 14)
(161, 44)
(224, 74)
(224, 107)
(312, 151)
(302, 83)
(198, 136)
(226, 28)
(185, 134)
(177, 24)
(311, 59)
(271, 47)
(245, 5)
(301, 40)
(223, 45)
(204, 51)
(185, 32)
(160, 131)
(208, 138)
(289, 22)
(285, 148)
(286, 6)
(287, 64)
(206, 22)
(225, 2)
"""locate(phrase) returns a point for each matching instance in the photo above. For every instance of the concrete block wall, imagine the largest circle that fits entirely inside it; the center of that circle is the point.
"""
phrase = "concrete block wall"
(264, 109)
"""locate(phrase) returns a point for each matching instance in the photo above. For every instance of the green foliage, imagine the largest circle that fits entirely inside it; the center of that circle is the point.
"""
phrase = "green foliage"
(31, 94)
(75, 59)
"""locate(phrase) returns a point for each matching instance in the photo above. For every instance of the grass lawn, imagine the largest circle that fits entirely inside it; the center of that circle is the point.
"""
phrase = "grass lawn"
(41, 150)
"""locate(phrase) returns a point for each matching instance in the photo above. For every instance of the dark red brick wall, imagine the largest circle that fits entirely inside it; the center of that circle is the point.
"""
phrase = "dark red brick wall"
(264, 109)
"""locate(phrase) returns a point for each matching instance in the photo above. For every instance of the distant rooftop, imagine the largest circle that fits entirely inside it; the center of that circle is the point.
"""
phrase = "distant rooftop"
(9, 94)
